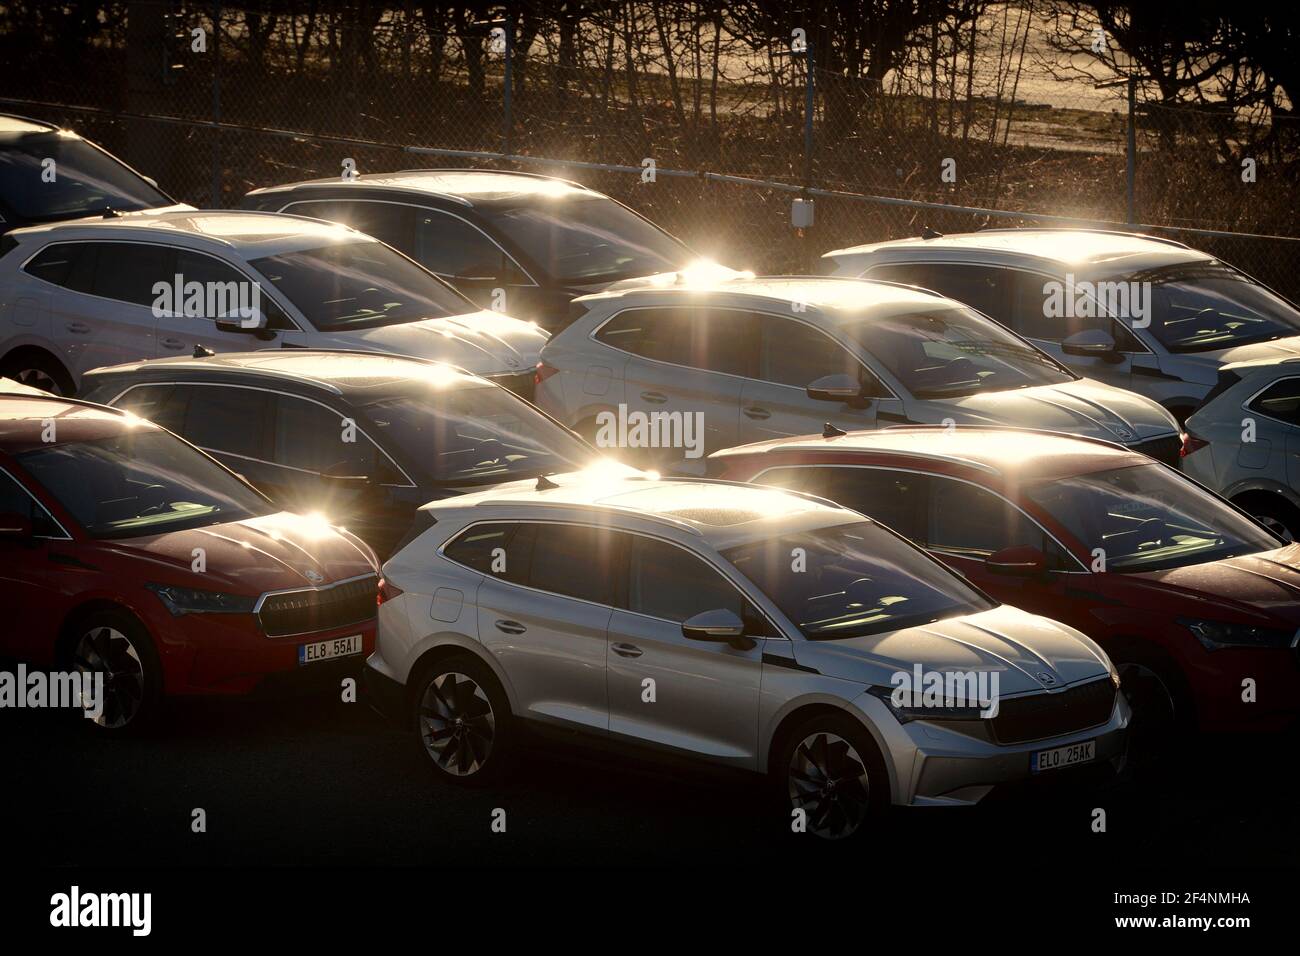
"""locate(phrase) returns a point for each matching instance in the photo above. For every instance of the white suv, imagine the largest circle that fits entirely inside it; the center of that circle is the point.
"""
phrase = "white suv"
(747, 627)
(88, 294)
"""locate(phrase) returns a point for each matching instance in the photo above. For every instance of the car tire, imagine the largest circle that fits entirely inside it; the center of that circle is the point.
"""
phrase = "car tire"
(829, 767)
(1276, 514)
(35, 368)
(462, 721)
(116, 644)
(1161, 703)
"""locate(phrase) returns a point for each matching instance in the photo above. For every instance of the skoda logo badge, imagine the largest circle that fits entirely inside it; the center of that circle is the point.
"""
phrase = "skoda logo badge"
(315, 577)
(1046, 679)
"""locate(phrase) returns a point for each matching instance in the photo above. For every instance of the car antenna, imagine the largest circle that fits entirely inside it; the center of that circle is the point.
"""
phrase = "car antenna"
(545, 484)
(929, 233)
(830, 431)
(202, 351)
(111, 213)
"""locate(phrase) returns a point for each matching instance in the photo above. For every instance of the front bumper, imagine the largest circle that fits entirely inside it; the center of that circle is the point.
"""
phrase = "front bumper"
(935, 765)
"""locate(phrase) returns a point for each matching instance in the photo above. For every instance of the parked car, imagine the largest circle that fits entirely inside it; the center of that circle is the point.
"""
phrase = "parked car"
(668, 614)
(88, 294)
(1244, 442)
(365, 439)
(763, 358)
(48, 174)
(1187, 595)
(530, 242)
(126, 552)
(1077, 295)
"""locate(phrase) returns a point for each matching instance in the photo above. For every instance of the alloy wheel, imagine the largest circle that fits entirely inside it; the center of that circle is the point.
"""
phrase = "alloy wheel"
(457, 725)
(107, 651)
(828, 781)
(1154, 711)
(38, 378)
(1277, 527)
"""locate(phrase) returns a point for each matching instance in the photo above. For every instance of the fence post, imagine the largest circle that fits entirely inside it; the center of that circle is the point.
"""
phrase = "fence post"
(216, 106)
(508, 81)
(809, 100)
(1132, 149)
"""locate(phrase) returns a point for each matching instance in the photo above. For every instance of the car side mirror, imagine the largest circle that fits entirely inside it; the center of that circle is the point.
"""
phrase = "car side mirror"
(1091, 343)
(718, 626)
(256, 326)
(15, 527)
(1022, 561)
(835, 388)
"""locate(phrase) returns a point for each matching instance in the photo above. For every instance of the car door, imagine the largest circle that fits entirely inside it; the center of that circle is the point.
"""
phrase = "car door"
(218, 325)
(104, 313)
(685, 373)
(668, 691)
(543, 612)
(1274, 451)
(792, 354)
(36, 573)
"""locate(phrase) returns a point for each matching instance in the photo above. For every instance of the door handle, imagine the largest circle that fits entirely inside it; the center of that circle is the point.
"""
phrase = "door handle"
(627, 650)
(511, 627)
(172, 344)
(78, 328)
(753, 411)
(654, 398)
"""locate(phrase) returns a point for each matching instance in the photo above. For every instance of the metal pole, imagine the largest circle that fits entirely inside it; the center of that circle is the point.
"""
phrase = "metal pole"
(1132, 149)
(509, 80)
(216, 105)
(808, 118)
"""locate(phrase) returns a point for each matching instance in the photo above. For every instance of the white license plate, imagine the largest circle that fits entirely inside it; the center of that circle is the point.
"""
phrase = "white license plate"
(326, 650)
(1059, 757)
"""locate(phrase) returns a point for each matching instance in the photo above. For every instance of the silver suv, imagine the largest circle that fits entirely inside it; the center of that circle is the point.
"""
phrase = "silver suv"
(752, 359)
(1134, 311)
(753, 628)
(88, 294)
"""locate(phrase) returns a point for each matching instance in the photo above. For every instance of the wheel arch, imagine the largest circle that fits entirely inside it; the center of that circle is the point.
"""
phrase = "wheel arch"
(799, 712)
(441, 651)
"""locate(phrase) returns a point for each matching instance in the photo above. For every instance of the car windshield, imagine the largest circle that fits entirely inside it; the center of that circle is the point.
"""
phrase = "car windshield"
(140, 482)
(854, 579)
(589, 240)
(1148, 518)
(948, 353)
(1206, 306)
(86, 180)
(477, 434)
(360, 285)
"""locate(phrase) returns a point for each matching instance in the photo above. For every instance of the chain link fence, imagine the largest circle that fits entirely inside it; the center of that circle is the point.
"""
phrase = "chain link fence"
(985, 118)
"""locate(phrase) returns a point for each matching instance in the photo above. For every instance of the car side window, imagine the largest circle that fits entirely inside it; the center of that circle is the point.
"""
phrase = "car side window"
(576, 561)
(57, 263)
(1280, 401)
(227, 420)
(161, 404)
(983, 288)
(645, 332)
(894, 498)
(497, 549)
(1035, 317)
(669, 582)
(794, 353)
(14, 499)
(454, 249)
(128, 271)
(965, 520)
(392, 223)
(213, 273)
(313, 438)
(712, 340)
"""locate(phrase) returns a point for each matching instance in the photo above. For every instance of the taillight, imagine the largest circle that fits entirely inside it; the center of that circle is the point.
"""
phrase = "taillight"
(387, 591)
(543, 372)
(1191, 443)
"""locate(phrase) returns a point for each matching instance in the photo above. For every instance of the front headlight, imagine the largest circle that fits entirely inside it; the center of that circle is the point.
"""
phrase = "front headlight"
(1216, 635)
(192, 601)
(909, 713)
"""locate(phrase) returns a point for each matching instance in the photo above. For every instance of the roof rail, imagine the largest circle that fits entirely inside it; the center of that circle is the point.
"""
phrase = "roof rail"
(751, 486)
(49, 397)
(32, 119)
(1101, 232)
(543, 503)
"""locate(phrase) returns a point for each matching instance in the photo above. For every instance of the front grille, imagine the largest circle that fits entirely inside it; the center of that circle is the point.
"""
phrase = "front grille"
(319, 609)
(1161, 449)
(521, 384)
(1038, 716)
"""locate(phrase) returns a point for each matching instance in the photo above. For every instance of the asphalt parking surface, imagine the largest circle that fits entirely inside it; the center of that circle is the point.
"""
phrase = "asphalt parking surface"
(315, 781)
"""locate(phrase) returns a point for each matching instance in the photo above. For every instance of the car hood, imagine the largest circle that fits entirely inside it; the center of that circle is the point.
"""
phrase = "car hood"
(269, 553)
(1086, 408)
(485, 343)
(1028, 652)
(1264, 585)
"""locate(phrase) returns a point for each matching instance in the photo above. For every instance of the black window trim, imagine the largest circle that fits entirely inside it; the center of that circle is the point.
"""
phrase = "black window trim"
(1246, 404)
(36, 501)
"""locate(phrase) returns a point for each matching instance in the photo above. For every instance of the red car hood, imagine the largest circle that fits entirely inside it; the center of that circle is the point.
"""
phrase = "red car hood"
(1268, 582)
(269, 553)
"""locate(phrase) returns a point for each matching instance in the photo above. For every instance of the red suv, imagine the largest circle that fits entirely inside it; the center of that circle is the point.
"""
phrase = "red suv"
(1197, 604)
(127, 551)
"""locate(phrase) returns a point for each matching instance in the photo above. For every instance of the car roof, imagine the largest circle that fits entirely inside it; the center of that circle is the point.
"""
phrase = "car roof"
(836, 298)
(1063, 247)
(13, 126)
(353, 374)
(247, 233)
(25, 421)
(723, 513)
(469, 186)
(1001, 454)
